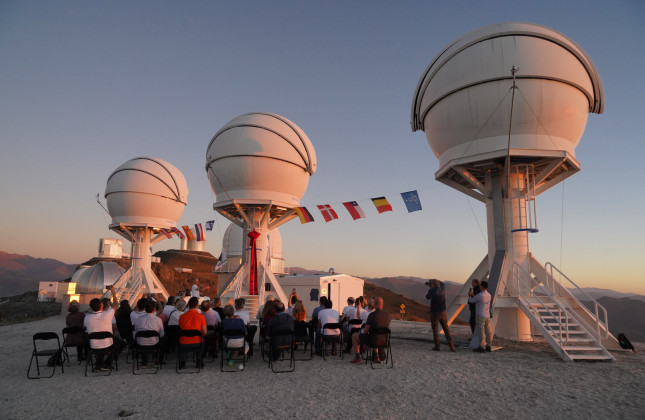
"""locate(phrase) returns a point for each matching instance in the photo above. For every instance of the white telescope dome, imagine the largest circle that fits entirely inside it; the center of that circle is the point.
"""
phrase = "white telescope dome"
(146, 191)
(463, 100)
(260, 157)
(94, 279)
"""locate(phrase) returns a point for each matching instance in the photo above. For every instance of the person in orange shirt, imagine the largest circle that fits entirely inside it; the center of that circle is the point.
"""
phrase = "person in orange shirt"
(192, 320)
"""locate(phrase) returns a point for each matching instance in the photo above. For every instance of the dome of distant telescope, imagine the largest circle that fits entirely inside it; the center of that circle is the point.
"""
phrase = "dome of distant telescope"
(94, 279)
(232, 242)
(260, 157)
(463, 99)
(146, 191)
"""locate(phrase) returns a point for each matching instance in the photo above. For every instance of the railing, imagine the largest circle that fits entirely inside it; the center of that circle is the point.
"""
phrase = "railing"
(598, 308)
(233, 282)
(560, 335)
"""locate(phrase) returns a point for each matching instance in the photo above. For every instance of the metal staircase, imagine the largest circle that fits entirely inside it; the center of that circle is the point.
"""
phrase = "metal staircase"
(561, 319)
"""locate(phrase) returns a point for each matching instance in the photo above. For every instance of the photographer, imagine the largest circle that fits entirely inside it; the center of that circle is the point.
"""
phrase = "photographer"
(437, 297)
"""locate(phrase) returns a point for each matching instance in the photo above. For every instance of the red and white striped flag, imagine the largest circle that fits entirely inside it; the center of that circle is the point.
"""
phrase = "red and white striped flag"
(178, 232)
(327, 212)
(354, 210)
(167, 233)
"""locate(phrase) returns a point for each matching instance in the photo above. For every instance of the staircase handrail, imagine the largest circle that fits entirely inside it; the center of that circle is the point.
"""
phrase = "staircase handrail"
(549, 268)
(563, 310)
(232, 283)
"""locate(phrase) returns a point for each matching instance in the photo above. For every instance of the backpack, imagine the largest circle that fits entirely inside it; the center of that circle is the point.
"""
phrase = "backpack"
(56, 359)
(624, 342)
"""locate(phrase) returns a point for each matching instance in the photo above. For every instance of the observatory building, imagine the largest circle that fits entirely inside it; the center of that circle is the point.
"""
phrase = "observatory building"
(503, 109)
(258, 166)
(144, 195)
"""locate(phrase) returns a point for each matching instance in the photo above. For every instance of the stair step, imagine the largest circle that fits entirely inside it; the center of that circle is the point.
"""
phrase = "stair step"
(573, 332)
(581, 348)
(590, 357)
(556, 324)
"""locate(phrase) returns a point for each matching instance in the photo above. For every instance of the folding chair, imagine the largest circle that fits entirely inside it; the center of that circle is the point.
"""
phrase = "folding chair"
(42, 348)
(210, 343)
(332, 339)
(103, 353)
(278, 344)
(379, 338)
(196, 351)
(74, 332)
(302, 333)
(353, 326)
(225, 347)
(139, 350)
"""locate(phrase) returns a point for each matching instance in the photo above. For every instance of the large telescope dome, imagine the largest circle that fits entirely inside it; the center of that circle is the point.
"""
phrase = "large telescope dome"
(146, 191)
(463, 99)
(258, 158)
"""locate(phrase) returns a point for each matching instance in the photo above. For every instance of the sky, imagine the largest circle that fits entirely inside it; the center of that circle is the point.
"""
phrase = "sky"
(86, 86)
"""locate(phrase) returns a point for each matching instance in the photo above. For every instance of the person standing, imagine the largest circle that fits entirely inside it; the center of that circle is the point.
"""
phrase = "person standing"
(194, 290)
(475, 290)
(437, 297)
(482, 304)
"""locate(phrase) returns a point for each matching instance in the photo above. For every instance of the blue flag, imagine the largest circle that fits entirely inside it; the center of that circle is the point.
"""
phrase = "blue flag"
(411, 200)
(209, 224)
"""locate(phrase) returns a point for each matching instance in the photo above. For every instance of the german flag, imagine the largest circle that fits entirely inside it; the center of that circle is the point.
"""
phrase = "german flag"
(381, 204)
(304, 215)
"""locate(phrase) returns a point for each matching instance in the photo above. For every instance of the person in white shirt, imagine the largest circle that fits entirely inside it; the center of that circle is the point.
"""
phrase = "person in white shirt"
(349, 311)
(240, 312)
(482, 317)
(328, 316)
(170, 306)
(194, 290)
(139, 312)
(364, 313)
(173, 319)
(100, 320)
(149, 322)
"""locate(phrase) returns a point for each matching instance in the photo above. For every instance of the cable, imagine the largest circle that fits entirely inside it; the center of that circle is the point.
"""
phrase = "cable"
(477, 221)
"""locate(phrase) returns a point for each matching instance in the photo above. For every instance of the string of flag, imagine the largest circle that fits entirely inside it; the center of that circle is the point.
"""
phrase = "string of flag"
(410, 199)
(382, 205)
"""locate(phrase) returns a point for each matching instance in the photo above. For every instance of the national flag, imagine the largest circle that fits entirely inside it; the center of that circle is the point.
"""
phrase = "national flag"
(411, 200)
(189, 233)
(221, 261)
(327, 212)
(199, 232)
(209, 225)
(304, 215)
(178, 232)
(381, 204)
(354, 210)
(167, 233)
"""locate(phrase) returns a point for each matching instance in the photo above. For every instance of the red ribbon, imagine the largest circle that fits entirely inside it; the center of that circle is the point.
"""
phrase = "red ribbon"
(253, 273)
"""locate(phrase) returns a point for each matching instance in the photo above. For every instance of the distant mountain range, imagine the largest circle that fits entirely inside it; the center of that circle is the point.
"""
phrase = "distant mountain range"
(22, 273)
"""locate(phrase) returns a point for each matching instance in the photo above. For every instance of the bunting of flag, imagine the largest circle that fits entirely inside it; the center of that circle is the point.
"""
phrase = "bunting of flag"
(411, 200)
(304, 215)
(381, 204)
(188, 232)
(199, 232)
(167, 233)
(178, 232)
(327, 212)
(209, 225)
(354, 210)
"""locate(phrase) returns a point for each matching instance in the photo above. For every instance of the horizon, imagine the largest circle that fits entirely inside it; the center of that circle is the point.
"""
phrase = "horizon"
(88, 86)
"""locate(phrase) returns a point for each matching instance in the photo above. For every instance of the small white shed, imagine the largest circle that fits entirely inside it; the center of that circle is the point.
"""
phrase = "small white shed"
(337, 287)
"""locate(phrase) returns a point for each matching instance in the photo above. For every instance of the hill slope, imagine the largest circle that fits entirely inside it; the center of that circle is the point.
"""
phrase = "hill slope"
(22, 273)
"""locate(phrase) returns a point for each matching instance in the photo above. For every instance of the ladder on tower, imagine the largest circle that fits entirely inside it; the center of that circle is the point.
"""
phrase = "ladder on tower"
(556, 313)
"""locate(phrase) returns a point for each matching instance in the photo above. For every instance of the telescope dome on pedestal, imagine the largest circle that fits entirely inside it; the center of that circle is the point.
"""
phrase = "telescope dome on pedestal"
(232, 242)
(146, 191)
(260, 157)
(463, 99)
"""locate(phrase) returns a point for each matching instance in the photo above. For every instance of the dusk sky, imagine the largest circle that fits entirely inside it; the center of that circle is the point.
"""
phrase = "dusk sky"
(88, 85)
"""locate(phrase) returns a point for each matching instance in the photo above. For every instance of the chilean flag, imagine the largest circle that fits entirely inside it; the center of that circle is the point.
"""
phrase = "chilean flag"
(354, 210)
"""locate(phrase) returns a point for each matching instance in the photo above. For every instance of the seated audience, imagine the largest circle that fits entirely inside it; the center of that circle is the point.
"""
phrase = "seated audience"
(281, 322)
(150, 322)
(192, 320)
(229, 323)
(377, 319)
(75, 319)
(328, 316)
(100, 320)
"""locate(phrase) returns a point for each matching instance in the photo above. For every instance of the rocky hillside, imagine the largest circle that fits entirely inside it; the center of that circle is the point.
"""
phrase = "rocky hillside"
(21, 273)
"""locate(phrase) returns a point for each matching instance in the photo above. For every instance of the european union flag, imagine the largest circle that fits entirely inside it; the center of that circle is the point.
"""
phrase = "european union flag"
(411, 200)
(209, 224)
